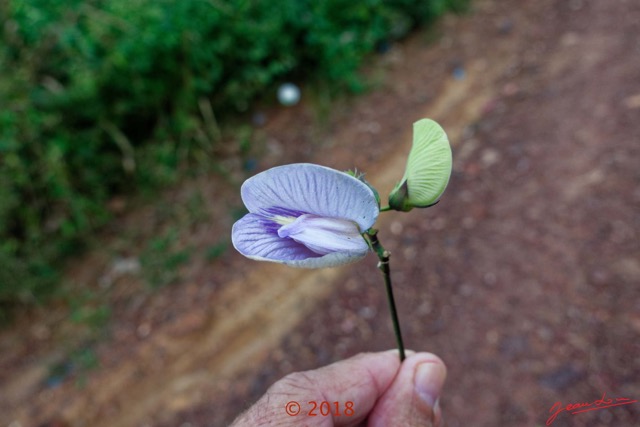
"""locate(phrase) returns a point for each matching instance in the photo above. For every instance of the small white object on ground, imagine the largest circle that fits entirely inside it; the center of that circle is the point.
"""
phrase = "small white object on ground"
(288, 94)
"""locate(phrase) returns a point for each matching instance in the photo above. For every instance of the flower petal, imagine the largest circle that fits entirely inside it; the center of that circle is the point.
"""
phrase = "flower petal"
(311, 189)
(429, 164)
(334, 259)
(257, 238)
(325, 235)
(428, 169)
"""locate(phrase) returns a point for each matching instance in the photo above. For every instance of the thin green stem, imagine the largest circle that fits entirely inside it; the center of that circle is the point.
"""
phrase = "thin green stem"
(383, 266)
(385, 209)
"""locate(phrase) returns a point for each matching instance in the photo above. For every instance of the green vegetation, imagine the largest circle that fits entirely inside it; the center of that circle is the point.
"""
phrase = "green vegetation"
(106, 97)
(162, 258)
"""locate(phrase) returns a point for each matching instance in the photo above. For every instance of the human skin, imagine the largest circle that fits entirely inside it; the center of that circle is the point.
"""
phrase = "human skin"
(383, 391)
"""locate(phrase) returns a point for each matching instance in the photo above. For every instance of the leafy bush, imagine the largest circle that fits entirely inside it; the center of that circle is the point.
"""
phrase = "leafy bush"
(102, 97)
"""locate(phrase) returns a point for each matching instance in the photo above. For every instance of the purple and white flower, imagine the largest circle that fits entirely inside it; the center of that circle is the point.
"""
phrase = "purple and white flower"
(305, 215)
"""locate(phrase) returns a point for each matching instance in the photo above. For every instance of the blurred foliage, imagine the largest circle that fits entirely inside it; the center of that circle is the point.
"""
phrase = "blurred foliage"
(161, 259)
(104, 97)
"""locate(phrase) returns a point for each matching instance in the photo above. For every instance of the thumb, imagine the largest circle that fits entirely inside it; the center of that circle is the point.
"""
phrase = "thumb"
(412, 398)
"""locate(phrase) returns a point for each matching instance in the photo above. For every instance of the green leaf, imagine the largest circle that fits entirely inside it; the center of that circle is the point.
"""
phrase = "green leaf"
(428, 168)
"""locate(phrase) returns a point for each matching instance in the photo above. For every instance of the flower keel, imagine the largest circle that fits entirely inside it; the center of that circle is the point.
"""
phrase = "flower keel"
(325, 235)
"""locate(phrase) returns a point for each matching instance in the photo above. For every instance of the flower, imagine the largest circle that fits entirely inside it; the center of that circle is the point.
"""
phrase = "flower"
(428, 169)
(305, 215)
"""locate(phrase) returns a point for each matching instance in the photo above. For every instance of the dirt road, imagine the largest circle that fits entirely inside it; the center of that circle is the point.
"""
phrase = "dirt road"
(525, 279)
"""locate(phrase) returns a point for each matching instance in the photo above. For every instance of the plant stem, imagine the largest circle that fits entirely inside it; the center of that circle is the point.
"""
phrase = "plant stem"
(383, 266)
(385, 209)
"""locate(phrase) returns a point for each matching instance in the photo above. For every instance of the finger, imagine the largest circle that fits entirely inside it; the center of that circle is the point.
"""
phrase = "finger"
(412, 398)
(351, 387)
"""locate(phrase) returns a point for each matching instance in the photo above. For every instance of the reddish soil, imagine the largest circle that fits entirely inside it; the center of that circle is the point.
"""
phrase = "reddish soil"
(524, 279)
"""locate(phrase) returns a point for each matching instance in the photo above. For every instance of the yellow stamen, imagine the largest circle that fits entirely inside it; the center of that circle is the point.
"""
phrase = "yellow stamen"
(283, 220)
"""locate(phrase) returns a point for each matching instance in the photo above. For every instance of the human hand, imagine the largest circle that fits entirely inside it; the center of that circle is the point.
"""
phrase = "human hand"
(384, 393)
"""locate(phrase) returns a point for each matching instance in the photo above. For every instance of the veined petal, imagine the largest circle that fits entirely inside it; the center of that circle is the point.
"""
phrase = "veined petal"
(428, 168)
(429, 164)
(256, 237)
(325, 235)
(311, 189)
(334, 259)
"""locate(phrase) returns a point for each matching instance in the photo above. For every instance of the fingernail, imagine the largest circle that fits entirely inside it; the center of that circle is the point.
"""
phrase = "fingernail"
(428, 382)
(437, 414)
